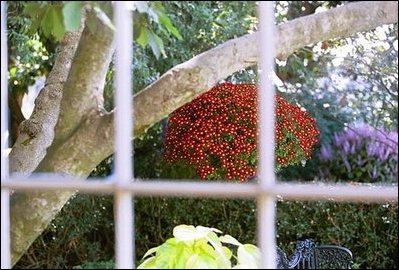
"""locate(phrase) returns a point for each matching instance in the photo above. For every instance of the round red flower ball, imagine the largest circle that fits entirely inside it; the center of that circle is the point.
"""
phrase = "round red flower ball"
(217, 133)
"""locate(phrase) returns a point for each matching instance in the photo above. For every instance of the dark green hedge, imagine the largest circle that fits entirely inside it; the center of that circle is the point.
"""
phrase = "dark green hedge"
(83, 232)
(368, 230)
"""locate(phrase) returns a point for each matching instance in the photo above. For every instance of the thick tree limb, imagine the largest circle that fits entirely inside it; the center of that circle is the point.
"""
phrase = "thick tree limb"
(184, 82)
(83, 91)
(178, 86)
(37, 133)
(81, 97)
(338, 22)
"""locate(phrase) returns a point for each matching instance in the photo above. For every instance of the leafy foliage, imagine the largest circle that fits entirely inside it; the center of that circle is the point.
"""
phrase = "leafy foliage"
(82, 232)
(53, 19)
(148, 12)
(29, 58)
(97, 265)
(373, 246)
(200, 248)
(72, 15)
(214, 21)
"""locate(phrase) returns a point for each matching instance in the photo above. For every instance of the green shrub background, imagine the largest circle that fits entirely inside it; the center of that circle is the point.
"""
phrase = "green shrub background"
(368, 230)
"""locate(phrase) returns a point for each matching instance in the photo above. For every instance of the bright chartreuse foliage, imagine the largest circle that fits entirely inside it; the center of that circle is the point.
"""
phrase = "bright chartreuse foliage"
(201, 248)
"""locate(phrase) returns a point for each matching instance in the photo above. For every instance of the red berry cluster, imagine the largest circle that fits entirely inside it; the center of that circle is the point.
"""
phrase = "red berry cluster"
(296, 133)
(217, 133)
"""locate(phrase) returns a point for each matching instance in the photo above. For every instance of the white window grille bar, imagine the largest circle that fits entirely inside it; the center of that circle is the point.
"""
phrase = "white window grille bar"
(361, 192)
(266, 201)
(124, 249)
(5, 193)
(5, 229)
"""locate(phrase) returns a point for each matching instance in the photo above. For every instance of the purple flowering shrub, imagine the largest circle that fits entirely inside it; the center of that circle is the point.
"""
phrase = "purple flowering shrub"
(362, 153)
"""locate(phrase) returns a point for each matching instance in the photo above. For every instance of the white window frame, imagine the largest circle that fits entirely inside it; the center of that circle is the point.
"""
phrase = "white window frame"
(120, 185)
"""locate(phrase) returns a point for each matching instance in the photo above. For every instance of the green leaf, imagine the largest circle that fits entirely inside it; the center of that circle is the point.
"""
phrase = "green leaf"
(227, 252)
(72, 15)
(224, 261)
(148, 264)
(197, 261)
(182, 256)
(153, 15)
(156, 44)
(248, 256)
(184, 233)
(13, 71)
(169, 253)
(143, 37)
(164, 20)
(228, 239)
(202, 247)
(150, 251)
(52, 22)
(58, 30)
(46, 22)
(188, 233)
(34, 9)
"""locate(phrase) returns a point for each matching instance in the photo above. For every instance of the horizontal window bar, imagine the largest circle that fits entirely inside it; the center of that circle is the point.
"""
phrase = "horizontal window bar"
(290, 191)
(340, 192)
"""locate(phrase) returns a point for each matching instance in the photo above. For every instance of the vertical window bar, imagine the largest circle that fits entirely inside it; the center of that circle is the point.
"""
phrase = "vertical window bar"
(5, 193)
(266, 202)
(123, 163)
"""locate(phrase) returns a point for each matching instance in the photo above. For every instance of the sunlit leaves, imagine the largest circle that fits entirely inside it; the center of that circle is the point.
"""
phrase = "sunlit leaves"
(165, 21)
(153, 13)
(53, 20)
(72, 15)
(143, 37)
(156, 43)
(201, 248)
(147, 36)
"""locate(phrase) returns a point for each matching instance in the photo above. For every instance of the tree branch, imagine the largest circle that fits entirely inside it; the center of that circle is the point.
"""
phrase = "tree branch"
(37, 133)
(83, 91)
(338, 22)
(81, 77)
(184, 82)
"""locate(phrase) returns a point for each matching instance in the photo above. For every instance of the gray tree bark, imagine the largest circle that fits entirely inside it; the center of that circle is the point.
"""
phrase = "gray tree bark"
(71, 100)
(84, 134)
(37, 132)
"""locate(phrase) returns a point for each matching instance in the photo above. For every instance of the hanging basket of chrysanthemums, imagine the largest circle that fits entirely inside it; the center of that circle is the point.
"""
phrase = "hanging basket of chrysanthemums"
(217, 133)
